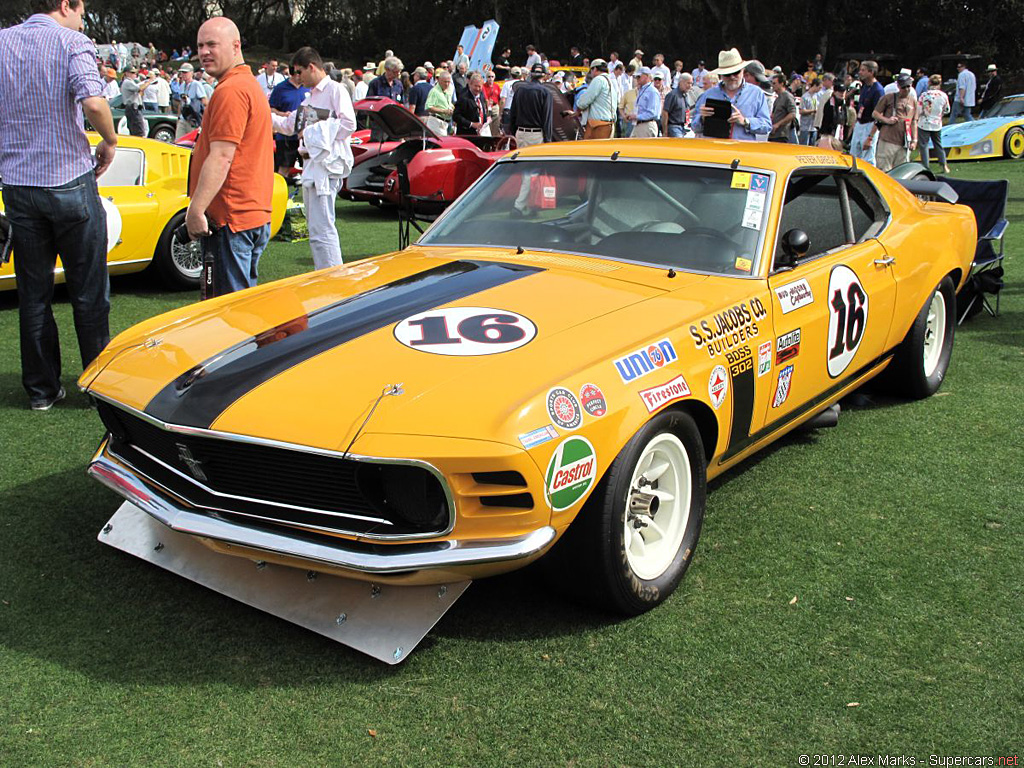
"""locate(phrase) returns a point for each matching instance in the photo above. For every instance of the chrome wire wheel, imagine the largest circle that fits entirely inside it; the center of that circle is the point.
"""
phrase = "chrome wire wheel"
(657, 506)
(187, 257)
(934, 333)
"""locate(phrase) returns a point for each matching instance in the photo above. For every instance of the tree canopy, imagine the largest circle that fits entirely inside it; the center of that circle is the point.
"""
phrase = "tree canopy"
(786, 32)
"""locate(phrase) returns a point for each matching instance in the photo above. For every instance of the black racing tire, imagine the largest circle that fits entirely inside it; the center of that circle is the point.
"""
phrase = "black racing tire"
(177, 265)
(596, 560)
(164, 132)
(1013, 143)
(922, 359)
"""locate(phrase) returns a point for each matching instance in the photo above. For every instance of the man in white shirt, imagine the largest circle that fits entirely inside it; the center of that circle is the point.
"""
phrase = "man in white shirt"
(659, 67)
(111, 88)
(162, 86)
(269, 78)
(698, 76)
(963, 102)
(326, 121)
(505, 97)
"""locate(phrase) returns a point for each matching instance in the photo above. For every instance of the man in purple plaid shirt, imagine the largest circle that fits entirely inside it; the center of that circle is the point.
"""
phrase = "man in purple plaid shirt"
(49, 186)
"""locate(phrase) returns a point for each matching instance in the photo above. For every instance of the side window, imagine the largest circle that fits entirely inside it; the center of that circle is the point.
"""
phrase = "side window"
(812, 204)
(866, 206)
(127, 169)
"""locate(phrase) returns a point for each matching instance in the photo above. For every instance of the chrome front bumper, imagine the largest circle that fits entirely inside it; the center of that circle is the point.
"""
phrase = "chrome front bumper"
(399, 558)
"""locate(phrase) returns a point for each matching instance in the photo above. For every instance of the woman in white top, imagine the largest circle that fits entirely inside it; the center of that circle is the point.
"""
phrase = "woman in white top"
(933, 104)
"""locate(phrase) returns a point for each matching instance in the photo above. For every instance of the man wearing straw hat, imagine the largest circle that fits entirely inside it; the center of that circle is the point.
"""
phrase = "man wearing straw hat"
(750, 116)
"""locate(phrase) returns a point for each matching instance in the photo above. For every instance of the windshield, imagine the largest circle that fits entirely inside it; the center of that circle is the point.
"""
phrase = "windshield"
(1007, 108)
(703, 219)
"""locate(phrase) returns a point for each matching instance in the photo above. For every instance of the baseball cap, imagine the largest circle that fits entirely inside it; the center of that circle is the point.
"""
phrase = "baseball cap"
(756, 70)
(537, 69)
(427, 65)
(643, 71)
(598, 63)
(186, 67)
(638, 52)
(516, 71)
(991, 68)
(903, 80)
(657, 75)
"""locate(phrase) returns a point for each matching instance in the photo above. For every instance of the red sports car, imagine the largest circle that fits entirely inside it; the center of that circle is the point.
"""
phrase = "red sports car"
(440, 167)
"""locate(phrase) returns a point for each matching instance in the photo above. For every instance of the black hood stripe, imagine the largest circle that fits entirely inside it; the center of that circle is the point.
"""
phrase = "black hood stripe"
(199, 396)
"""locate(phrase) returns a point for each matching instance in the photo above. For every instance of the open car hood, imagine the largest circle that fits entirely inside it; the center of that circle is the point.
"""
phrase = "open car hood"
(389, 121)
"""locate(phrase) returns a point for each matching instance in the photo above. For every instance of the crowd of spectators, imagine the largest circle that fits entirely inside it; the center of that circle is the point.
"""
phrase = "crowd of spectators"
(308, 106)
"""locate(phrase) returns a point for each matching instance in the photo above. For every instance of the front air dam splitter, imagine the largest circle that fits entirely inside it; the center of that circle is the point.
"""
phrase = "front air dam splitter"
(382, 620)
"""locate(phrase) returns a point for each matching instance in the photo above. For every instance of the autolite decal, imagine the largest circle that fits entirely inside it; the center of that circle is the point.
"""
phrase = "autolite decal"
(730, 328)
(571, 472)
(656, 397)
(638, 364)
(787, 346)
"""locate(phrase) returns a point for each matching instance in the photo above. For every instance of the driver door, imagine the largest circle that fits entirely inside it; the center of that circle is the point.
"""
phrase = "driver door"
(832, 310)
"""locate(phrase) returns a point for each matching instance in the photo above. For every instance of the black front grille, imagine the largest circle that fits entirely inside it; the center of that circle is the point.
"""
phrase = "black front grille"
(267, 476)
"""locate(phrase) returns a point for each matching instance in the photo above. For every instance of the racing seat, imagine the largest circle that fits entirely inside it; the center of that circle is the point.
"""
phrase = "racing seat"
(988, 201)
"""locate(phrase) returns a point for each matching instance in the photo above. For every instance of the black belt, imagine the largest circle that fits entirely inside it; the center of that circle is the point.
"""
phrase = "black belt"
(652, 120)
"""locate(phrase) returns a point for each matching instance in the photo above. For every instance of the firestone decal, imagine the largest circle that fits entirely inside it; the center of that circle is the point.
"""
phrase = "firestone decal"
(787, 346)
(538, 436)
(718, 386)
(564, 408)
(794, 295)
(571, 472)
(638, 364)
(593, 400)
(782, 387)
(663, 394)
(729, 328)
(465, 331)
(764, 358)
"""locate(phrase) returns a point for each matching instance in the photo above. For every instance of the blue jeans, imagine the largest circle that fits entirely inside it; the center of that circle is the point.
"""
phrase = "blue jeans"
(926, 138)
(70, 221)
(959, 110)
(236, 257)
(675, 130)
(808, 137)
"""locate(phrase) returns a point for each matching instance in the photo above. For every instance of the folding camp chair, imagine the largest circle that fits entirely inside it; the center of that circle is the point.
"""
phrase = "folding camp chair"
(988, 201)
(407, 214)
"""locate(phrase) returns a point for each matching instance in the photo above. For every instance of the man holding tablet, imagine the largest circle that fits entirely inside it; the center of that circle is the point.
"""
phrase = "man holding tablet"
(732, 109)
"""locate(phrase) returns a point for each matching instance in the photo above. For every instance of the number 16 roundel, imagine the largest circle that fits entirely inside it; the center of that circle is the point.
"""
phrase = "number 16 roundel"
(465, 331)
(847, 318)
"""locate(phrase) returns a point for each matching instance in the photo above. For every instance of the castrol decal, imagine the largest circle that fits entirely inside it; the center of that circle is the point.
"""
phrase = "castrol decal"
(571, 472)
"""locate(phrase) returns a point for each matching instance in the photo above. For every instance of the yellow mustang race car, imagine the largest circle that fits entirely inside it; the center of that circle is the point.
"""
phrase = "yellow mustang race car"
(560, 364)
(145, 193)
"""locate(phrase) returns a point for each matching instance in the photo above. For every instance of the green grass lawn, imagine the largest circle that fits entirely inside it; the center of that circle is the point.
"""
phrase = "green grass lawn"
(899, 533)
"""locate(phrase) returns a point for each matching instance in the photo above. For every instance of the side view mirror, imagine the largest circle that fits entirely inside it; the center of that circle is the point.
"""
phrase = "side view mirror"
(795, 245)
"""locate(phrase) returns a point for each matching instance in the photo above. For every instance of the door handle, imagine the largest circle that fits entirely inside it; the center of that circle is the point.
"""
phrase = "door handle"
(885, 262)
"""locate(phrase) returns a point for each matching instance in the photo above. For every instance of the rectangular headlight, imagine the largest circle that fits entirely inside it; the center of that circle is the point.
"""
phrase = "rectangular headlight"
(982, 148)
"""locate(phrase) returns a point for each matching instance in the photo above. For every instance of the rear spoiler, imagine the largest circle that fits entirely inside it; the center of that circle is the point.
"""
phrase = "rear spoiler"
(939, 191)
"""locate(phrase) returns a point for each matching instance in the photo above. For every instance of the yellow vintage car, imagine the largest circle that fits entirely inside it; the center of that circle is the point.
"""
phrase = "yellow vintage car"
(146, 194)
(557, 368)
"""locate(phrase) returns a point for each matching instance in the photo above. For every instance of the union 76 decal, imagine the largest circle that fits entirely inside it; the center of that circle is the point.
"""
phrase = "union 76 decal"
(847, 318)
(465, 331)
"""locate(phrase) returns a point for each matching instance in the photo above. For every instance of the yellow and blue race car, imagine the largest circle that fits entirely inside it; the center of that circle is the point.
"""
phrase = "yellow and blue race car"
(999, 134)
(557, 368)
(145, 194)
